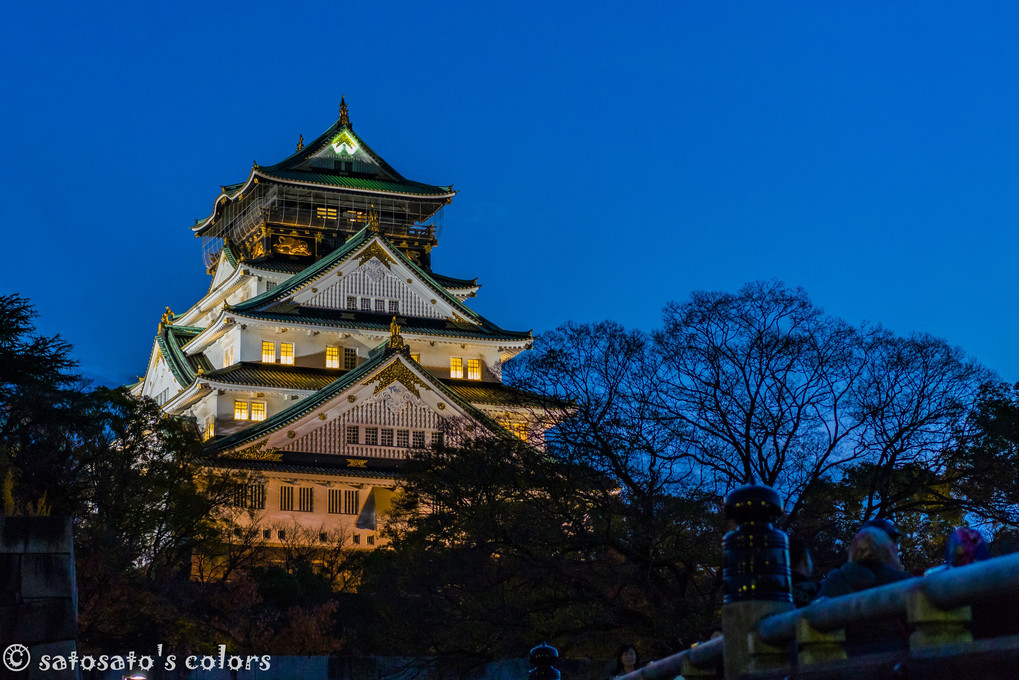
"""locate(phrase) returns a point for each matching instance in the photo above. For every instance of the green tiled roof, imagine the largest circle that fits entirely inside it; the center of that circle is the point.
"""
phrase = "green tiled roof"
(450, 282)
(492, 393)
(170, 340)
(359, 183)
(272, 375)
(297, 468)
(261, 303)
(357, 320)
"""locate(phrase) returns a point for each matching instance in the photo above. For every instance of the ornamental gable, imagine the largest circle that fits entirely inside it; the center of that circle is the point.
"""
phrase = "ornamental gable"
(384, 426)
(378, 287)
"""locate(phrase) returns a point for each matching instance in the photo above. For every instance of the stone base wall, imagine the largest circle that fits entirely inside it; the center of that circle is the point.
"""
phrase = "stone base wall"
(38, 594)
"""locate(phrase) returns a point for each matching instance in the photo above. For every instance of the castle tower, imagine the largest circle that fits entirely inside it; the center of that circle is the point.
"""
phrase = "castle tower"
(326, 348)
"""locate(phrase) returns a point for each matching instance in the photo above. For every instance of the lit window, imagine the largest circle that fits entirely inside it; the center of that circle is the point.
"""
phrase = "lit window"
(210, 428)
(287, 353)
(387, 437)
(371, 436)
(286, 498)
(394, 306)
(456, 367)
(474, 369)
(335, 501)
(268, 352)
(352, 434)
(351, 502)
(228, 357)
(403, 438)
(518, 429)
(305, 499)
(351, 302)
(325, 213)
(419, 439)
(257, 410)
(332, 357)
(240, 410)
(349, 358)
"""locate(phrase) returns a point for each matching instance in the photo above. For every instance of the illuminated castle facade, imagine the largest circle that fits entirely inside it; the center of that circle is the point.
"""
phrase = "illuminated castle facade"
(326, 348)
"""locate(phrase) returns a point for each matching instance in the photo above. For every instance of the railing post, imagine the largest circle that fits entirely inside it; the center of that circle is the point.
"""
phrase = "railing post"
(758, 581)
(933, 626)
(815, 646)
(691, 672)
(543, 659)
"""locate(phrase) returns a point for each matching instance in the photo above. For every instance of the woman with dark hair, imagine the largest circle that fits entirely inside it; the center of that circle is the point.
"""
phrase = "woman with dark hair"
(627, 660)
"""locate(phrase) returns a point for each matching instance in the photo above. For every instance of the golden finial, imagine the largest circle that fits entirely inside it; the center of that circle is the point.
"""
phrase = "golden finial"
(254, 165)
(167, 315)
(373, 219)
(395, 339)
(344, 120)
(300, 142)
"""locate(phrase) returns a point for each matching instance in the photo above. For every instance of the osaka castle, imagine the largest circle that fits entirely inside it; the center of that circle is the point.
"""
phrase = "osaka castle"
(327, 348)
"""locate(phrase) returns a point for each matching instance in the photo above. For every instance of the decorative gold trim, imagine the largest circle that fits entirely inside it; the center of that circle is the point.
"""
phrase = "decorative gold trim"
(377, 251)
(321, 416)
(257, 452)
(351, 398)
(398, 372)
(357, 462)
(441, 406)
(291, 434)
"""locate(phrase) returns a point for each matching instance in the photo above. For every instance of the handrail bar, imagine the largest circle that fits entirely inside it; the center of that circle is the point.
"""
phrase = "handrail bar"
(947, 589)
(669, 667)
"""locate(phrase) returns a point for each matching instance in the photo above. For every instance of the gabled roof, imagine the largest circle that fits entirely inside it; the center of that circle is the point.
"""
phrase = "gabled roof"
(380, 358)
(183, 367)
(261, 306)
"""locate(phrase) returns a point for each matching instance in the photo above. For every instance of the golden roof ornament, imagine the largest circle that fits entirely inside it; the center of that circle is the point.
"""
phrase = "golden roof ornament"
(344, 119)
(373, 219)
(395, 339)
(167, 316)
(300, 142)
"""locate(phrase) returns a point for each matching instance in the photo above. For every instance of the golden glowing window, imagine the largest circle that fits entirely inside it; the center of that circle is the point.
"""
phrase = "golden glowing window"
(332, 357)
(210, 429)
(287, 353)
(326, 213)
(456, 367)
(268, 352)
(240, 410)
(257, 410)
(228, 356)
(518, 429)
(474, 369)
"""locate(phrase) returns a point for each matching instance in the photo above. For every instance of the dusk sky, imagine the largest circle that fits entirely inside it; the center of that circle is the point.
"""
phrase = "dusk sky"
(610, 157)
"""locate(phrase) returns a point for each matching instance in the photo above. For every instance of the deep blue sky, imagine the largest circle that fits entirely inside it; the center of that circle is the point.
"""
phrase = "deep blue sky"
(610, 156)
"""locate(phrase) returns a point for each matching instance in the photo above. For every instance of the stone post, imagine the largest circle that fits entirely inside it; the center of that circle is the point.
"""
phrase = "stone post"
(934, 626)
(757, 577)
(543, 659)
